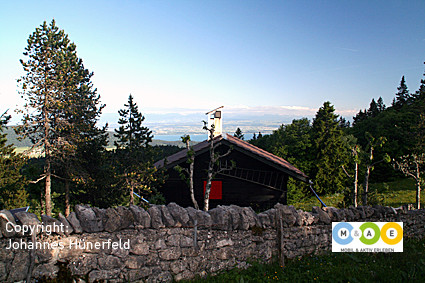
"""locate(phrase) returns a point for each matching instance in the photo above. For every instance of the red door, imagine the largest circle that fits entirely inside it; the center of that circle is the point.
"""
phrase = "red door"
(216, 189)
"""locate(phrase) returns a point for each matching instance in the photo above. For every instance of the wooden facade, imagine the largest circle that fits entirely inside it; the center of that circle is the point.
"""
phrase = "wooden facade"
(249, 176)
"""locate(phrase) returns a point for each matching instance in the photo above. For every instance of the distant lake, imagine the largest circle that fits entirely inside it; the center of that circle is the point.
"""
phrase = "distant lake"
(194, 137)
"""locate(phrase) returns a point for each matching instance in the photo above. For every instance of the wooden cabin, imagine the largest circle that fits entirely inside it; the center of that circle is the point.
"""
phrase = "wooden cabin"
(249, 176)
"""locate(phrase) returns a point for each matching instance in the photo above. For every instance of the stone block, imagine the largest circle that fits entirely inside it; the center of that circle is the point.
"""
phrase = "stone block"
(172, 253)
(288, 213)
(20, 265)
(323, 216)
(5, 217)
(109, 262)
(221, 218)
(53, 225)
(141, 217)
(67, 226)
(167, 218)
(75, 223)
(90, 221)
(203, 218)
(264, 220)
(29, 219)
(156, 217)
(179, 214)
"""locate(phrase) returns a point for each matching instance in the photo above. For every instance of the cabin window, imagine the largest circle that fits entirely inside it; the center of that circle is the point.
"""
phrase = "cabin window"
(216, 189)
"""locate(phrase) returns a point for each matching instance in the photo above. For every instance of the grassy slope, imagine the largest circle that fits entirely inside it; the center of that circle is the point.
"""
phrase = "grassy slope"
(395, 194)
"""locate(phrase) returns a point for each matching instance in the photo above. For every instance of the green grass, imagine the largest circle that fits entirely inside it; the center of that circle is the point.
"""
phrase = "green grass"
(397, 193)
(394, 193)
(408, 266)
(329, 200)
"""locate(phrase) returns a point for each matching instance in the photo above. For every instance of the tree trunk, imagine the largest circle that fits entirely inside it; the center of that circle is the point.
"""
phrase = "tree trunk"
(131, 194)
(208, 190)
(48, 169)
(210, 172)
(356, 172)
(366, 185)
(366, 177)
(418, 183)
(418, 194)
(67, 204)
(191, 169)
(192, 191)
(42, 201)
(47, 190)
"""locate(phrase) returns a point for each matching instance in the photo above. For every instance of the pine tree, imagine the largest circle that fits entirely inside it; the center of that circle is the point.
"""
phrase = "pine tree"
(238, 134)
(373, 110)
(131, 134)
(62, 109)
(402, 95)
(44, 87)
(330, 150)
(380, 104)
(82, 114)
(12, 191)
(133, 151)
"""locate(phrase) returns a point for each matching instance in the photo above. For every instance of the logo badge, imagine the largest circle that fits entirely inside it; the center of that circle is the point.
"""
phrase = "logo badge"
(367, 237)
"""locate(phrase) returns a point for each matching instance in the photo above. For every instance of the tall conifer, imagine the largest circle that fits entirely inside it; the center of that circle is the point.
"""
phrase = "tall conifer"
(402, 96)
(330, 150)
(133, 152)
(43, 89)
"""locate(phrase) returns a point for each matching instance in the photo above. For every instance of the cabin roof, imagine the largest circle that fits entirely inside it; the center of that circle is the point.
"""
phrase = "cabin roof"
(241, 146)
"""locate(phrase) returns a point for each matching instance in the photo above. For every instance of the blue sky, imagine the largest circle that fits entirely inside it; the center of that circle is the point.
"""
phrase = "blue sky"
(253, 57)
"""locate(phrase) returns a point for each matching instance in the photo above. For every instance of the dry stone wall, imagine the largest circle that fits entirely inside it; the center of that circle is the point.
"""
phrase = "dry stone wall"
(168, 242)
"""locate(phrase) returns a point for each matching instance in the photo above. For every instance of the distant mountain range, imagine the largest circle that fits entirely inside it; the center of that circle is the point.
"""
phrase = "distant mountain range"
(179, 124)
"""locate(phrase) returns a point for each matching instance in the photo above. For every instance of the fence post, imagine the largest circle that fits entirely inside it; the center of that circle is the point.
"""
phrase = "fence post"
(279, 226)
(195, 234)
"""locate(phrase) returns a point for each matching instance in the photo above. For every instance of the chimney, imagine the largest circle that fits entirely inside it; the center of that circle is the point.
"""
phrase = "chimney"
(214, 117)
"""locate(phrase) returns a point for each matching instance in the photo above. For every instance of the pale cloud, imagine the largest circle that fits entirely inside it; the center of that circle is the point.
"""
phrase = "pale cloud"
(246, 111)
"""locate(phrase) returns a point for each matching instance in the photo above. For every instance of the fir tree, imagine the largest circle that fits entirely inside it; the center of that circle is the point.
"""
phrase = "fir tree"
(330, 150)
(373, 110)
(402, 95)
(131, 134)
(380, 104)
(133, 152)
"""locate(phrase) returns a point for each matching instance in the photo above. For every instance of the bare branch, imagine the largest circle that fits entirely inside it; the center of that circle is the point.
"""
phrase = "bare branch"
(38, 180)
(345, 171)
